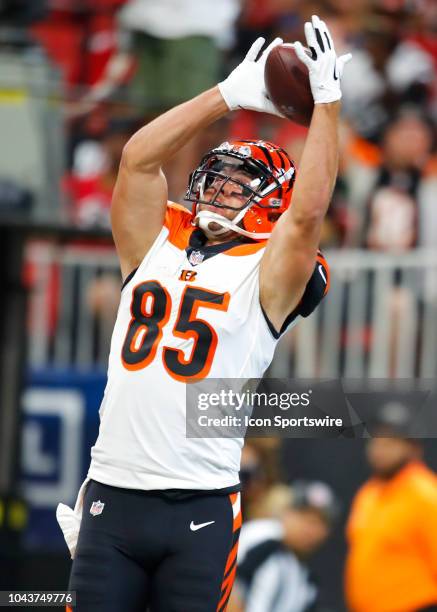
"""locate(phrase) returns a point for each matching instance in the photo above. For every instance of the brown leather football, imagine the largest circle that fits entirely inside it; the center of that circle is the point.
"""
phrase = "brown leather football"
(288, 84)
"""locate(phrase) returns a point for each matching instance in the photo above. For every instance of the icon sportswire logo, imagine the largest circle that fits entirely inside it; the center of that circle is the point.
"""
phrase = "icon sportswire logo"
(195, 527)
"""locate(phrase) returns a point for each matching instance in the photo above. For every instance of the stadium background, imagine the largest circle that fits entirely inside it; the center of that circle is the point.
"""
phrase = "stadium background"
(75, 81)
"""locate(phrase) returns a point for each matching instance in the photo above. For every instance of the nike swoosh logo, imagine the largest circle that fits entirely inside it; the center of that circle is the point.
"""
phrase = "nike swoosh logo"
(322, 274)
(194, 527)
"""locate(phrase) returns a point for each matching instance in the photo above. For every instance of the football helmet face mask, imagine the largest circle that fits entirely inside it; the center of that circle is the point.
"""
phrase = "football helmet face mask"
(252, 177)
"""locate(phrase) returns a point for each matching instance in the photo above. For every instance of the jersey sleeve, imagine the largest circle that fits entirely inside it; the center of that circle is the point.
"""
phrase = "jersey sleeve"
(316, 289)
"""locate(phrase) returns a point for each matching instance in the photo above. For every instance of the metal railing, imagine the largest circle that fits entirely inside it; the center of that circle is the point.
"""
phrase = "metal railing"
(66, 330)
(379, 319)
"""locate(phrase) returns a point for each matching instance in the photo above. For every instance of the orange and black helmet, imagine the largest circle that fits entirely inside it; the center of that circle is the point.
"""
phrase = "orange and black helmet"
(270, 173)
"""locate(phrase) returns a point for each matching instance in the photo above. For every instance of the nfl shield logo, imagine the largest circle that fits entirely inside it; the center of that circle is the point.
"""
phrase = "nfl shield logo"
(97, 508)
(196, 257)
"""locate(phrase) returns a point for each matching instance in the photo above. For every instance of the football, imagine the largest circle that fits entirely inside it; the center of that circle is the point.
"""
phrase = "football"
(288, 84)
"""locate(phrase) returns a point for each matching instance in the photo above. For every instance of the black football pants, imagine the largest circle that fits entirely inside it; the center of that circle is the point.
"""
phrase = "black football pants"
(148, 551)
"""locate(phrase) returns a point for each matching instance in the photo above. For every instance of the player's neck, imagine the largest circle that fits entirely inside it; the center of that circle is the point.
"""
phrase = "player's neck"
(228, 237)
(234, 237)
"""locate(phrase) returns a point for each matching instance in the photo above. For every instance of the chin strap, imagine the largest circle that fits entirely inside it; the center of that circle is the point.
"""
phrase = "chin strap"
(204, 218)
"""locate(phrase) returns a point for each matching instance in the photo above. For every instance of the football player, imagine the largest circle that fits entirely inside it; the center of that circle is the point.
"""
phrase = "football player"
(205, 294)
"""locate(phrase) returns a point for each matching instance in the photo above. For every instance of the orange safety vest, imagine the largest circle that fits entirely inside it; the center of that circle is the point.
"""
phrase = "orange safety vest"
(392, 535)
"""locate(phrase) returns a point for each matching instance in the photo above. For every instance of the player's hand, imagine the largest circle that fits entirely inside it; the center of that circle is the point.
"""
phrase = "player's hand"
(324, 67)
(245, 87)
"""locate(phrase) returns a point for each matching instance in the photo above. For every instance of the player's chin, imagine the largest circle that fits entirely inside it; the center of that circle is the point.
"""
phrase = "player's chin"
(215, 227)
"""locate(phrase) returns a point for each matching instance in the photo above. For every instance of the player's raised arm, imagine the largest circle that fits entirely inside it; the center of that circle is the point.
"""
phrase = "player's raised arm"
(288, 262)
(140, 195)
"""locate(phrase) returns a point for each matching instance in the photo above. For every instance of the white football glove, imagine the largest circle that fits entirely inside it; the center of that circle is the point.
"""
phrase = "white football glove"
(245, 87)
(324, 67)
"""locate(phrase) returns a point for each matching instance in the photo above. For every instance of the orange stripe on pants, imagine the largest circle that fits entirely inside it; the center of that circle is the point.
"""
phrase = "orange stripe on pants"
(230, 583)
(231, 562)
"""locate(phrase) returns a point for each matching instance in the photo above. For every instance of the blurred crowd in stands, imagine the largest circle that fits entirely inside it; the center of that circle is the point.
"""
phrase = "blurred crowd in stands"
(125, 61)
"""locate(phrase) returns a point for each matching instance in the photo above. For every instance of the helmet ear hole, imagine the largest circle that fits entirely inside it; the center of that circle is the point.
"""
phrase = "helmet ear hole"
(273, 216)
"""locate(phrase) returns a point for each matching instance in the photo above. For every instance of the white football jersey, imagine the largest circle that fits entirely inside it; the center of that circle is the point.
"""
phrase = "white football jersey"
(186, 313)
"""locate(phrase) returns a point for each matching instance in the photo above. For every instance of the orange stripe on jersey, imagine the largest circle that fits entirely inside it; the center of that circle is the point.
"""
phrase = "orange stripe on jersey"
(68, 609)
(246, 249)
(178, 222)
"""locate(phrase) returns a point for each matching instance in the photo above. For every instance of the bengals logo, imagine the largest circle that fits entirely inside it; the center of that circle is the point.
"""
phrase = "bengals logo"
(188, 275)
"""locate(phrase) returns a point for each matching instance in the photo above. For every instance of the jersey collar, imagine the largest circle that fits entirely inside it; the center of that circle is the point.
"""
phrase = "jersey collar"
(197, 243)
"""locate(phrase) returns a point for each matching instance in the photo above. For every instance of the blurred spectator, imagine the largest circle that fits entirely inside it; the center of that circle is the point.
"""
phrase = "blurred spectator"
(386, 203)
(272, 575)
(89, 186)
(79, 37)
(395, 201)
(175, 45)
(389, 70)
(88, 189)
(392, 529)
(258, 18)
